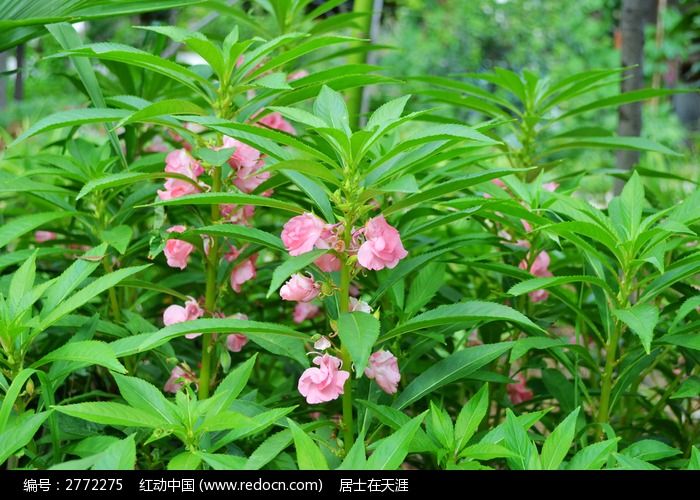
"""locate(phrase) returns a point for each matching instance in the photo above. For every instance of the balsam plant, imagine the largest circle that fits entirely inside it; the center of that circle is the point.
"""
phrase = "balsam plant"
(416, 291)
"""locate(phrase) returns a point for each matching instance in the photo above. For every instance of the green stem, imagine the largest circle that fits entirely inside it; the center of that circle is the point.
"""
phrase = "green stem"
(343, 306)
(211, 263)
(363, 31)
(607, 382)
(113, 300)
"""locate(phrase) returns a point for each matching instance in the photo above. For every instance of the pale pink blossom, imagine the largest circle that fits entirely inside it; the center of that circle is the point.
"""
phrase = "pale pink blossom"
(322, 344)
(304, 311)
(382, 247)
(176, 188)
(383, 367)
(301, 233)
(178, 378)
(248, 179)
(181, 162)
(44, 236)
(276, 122)
(328, 263)
(297, 75)
(518, 392)
(325, 383)
(359, 305)
(243, 271)
(540, 269)
(177, 252)
(243, 156)
(236, 341)
(550, 186)
(237, 214)
(300, 288)
(179, 314)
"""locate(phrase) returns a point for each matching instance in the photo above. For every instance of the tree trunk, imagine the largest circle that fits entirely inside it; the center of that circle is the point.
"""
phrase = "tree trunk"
(630, 115)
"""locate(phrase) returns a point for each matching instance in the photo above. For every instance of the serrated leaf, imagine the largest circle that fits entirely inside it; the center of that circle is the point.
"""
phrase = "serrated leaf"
(358, 332)
(641, 319)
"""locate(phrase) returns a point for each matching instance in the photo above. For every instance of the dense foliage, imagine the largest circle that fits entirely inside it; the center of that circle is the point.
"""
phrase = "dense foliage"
(216, 261)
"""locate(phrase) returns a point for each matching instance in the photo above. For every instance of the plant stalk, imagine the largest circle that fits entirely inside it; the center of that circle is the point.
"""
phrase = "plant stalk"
(343, 306)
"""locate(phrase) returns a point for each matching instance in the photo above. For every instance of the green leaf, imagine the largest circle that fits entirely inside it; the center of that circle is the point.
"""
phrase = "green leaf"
(187, 460)
(632, 143)
(91, 352)
(290, 266)
(147, 341)
(356, 458)
(424, 286)
(690, 388)
(593, 456)
(239, 233)
(22, 284)
(630, 463)
(118, 237)
(456, 366)
(19, 433)
(641, 319)
(650, 450)
(309, 456)
(626, 210)
(475, 311)
(523, 346)
(73, 277)
(471, 416)
(216, 157)
(314, 191)
(21, 225)
(533, 284)
(11, 395)
(166, 107)
(517, 441)
(358, 332)
(145, 396)
(387, 112)
(85, 295)
(108, 413)
(232, 198)
(223, 462)
(232, 385)
(72, 118)
(694, 462)
(331, 108)
(118, 456)
(557, 444)
(392, 451)
(486, 451)
(440, 428)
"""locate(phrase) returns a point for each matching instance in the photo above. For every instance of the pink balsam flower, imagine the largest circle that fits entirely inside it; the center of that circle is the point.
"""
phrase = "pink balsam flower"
(383, 367)
(243, 156)
(178, 378)
(359, 305)
(243, 272)
(300, 288)
(540, 269)
(276, 122)
(301, 233)
(177, 252)
(518, 392)
(236, 341)
(325, 383)
(550, 186)
(44, 236)
(382, 247)
(176, 188)
(304, 311)
(178, 314)
(181, 162)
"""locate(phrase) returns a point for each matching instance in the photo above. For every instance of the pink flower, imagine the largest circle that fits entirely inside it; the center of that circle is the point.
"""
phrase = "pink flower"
(276, 122)
(325, 383)
(181, 162)
(304, 311)
(178, 314)
(550, 186)
(236, 341)
(44, 236)
(177, 252)
(383, 367)
(359, 305)
(300, 288)
(301, 233)
(247, 180)
(237, 214)
(297, 75)
(243, 156)
(328, 263)
(518, 392)
(178, 378)
(175, 188)
(382, 247)
(242, 272)
(539, 269)
(322, 344)
(499, 183)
